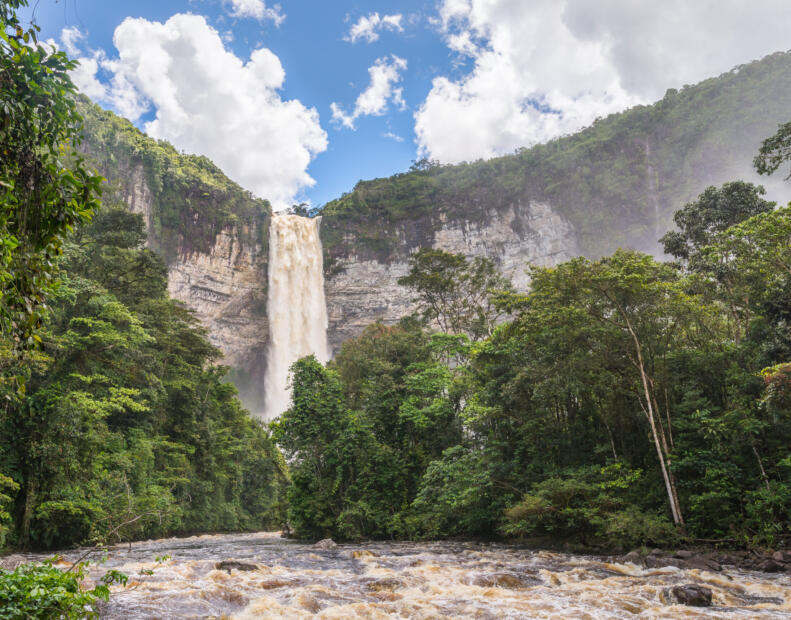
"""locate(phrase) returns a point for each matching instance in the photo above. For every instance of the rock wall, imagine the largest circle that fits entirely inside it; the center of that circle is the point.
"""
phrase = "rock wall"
(137, 195)
(226, 288)
(360, 289)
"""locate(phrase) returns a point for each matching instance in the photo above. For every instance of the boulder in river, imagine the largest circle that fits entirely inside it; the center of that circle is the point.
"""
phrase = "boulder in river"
(385, 583)
(782, 557)
(504, 580)
(230, 565)
(633, 557)
(658, 561)
(768, 565)
(683, 559)
(362, 553)
(703, 563)
(327, 543)
(689, 594)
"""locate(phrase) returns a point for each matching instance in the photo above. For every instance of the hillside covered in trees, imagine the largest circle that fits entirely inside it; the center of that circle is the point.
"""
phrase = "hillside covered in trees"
(188, 198)
(126, 429)
(625, 174)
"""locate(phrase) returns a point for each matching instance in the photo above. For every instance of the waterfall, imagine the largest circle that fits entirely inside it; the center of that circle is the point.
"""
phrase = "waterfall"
(295, 304)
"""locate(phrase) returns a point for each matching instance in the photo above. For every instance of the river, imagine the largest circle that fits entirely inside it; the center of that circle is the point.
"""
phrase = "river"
(412, 580)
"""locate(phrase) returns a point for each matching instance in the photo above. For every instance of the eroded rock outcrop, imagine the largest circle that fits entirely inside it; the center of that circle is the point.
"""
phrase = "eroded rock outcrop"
(137, 196)
(690, 594)
(226, 289)
(362, 288)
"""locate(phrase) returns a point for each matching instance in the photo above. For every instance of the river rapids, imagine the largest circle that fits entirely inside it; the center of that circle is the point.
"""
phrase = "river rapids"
(411, 580)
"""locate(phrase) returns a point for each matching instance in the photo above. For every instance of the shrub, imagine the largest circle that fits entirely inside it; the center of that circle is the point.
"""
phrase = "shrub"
(43, 591)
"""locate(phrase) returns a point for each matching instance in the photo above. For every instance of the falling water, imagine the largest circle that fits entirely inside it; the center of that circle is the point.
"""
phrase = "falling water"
(296, 307)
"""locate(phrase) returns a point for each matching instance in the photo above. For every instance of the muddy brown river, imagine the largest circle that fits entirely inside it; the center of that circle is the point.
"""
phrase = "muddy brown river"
(413, 580)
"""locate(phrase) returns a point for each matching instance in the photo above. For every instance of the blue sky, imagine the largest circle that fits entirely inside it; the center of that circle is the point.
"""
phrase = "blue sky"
(252, 84)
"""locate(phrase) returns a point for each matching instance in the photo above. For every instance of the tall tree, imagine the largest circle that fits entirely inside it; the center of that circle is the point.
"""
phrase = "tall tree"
(45, 187)
(715, 210)
(648, 304)
(455, 293)
(775, 151)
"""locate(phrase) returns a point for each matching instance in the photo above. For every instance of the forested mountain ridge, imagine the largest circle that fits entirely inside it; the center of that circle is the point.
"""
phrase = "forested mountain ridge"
(186, 199)
(625, 174)
(614, 184)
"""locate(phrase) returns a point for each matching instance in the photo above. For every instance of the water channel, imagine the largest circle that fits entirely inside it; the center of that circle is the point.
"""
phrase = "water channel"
(412, 580)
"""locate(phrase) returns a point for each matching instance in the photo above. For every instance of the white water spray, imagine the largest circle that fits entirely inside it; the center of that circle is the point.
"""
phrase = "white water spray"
(296, 307)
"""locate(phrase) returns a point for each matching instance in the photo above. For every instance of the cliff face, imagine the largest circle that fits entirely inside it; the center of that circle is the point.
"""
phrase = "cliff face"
(361, 288)
(617, 182)
(226, 288)
(137, 196)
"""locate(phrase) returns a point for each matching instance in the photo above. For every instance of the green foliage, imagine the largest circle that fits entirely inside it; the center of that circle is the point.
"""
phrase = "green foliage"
(360, 434)
(777, 398)
(775, 151)
(714, 211)
(45, 187)
(582, 506)
(6, 485)
(127, 429)
(623, 403)
(455, 293)
(310, 433)
(42, 591)
(750, 264)
(457, 497)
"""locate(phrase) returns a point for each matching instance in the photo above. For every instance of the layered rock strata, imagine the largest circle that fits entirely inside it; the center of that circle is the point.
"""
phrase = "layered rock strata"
(361, 288)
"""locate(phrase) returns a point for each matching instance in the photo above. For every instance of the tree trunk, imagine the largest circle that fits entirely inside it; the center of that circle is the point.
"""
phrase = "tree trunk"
(667, 415)
(761, 466)
(612, 440)
(27, 513)
(670, 484)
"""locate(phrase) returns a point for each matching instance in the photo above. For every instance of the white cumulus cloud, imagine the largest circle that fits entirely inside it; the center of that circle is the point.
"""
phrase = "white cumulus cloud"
(368, 27)
(207, 100)
(543, 68)
(90, 62)
(382, 90)
(70, 37)
(257, 9)
(84, 76)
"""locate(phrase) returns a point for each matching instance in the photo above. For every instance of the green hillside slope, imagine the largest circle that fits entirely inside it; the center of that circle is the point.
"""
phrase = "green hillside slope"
(191, 198)
(617, 181)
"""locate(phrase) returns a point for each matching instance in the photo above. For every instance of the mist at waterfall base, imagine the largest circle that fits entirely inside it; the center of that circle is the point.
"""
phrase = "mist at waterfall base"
(295, 304)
